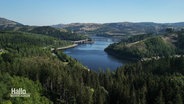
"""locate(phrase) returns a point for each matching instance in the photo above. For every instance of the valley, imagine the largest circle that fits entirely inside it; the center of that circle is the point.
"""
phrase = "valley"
(57, 65)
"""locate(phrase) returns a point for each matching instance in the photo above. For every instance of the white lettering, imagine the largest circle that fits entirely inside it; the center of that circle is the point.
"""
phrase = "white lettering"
(20, 92)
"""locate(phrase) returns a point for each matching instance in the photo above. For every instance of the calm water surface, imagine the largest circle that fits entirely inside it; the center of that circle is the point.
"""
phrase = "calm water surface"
(93, 55)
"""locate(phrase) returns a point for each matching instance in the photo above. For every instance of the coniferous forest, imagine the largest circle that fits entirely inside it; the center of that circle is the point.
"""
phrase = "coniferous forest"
(91, 52)
(26, 60)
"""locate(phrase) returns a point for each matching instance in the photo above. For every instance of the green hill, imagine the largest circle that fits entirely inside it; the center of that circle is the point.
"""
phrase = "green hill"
(146, 48)
(15, 40)
(50, 31)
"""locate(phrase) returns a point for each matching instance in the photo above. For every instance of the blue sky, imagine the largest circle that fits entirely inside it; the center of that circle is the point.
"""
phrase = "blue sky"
(48, 12)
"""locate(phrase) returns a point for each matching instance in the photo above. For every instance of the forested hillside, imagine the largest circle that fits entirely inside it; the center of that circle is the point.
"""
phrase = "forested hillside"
(148, 46)
(50, 31)
(29, 55)
(151, 47)
(54, 77)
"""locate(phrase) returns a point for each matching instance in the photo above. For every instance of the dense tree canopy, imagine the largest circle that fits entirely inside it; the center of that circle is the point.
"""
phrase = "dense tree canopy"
(53, 76)
(34, 88)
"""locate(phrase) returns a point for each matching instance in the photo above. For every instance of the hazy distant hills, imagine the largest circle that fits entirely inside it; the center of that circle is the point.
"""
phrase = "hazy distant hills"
(8, 24)
(106, 29)
(121, 28)
(79, 27)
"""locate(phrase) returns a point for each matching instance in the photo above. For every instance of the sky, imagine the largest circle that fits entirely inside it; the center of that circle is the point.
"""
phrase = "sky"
(50, 12)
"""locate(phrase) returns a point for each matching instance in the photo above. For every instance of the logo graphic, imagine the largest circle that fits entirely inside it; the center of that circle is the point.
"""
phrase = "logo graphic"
(20, 92)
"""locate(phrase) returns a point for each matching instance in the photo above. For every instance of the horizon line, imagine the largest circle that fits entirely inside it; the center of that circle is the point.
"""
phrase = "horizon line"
(97, 22)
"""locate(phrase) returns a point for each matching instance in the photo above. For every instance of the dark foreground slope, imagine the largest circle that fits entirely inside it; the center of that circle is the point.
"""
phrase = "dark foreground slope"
(29, 55)
(63, 80)
(9, 82)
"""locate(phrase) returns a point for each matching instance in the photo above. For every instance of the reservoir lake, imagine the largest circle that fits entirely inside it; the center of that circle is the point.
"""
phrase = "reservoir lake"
(93, 55)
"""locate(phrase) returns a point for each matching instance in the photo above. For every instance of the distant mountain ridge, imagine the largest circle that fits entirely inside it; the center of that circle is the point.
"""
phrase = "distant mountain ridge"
(4, 21)
(105, 29)
(121, 28)
(8, 24)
